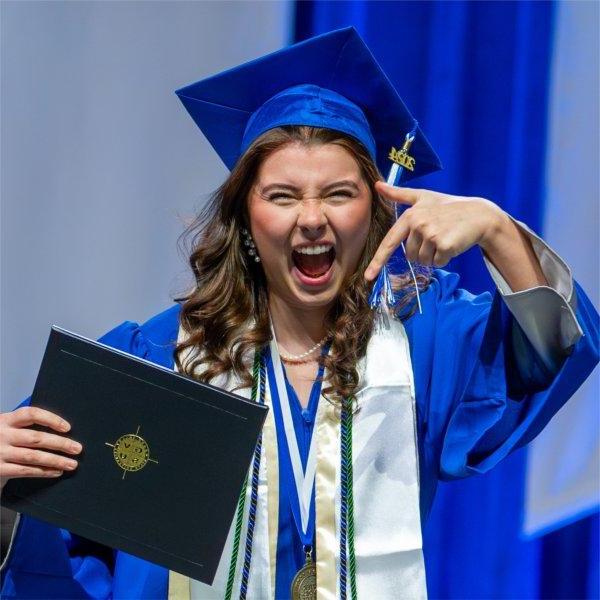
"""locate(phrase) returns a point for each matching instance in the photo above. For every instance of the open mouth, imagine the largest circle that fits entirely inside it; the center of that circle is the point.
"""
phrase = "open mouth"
(314, 261)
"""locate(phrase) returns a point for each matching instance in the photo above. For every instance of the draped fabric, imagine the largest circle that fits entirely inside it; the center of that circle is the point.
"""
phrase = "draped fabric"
(475, 75)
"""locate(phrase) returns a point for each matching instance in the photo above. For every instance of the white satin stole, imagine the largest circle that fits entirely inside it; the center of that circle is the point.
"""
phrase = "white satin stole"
(388, 541)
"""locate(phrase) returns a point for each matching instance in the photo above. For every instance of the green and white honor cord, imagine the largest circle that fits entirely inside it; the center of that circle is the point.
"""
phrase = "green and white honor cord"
(347, 556)
(258, 382)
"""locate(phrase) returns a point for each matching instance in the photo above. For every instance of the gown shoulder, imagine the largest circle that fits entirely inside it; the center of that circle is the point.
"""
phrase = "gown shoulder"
(153, 340)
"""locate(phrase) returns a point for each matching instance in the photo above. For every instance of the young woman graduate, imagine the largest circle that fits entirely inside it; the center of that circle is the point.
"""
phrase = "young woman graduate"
(368, 413)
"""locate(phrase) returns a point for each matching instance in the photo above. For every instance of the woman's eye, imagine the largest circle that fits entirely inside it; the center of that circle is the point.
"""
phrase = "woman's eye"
(341, 195)
(286, 198)
(282, 199)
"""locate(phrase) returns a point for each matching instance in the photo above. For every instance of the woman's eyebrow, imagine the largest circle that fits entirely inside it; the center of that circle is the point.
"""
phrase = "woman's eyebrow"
(293, 188)
(347, 182)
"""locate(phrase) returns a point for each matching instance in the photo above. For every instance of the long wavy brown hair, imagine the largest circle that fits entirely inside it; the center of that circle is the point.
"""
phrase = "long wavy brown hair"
(226, 314)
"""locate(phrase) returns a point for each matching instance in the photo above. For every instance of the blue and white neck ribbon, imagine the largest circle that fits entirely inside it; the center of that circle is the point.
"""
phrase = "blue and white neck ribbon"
(304, 480)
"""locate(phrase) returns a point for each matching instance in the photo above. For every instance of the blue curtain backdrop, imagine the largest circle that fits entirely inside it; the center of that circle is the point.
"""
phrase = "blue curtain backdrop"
(475, 75)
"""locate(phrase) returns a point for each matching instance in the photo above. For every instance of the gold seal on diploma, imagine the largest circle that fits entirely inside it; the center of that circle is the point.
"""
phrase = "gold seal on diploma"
(131, 452)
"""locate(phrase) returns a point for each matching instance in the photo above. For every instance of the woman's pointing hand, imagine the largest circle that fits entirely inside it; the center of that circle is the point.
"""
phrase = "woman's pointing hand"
(436, 227)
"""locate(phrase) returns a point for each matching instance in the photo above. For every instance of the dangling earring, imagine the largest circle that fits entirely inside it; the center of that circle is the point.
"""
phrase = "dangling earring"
(249, 243)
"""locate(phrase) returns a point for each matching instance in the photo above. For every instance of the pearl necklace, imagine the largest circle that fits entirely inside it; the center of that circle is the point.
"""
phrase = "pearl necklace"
(302, 358)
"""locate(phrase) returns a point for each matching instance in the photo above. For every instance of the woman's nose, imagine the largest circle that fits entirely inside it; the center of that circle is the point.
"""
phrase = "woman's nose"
(312, 215)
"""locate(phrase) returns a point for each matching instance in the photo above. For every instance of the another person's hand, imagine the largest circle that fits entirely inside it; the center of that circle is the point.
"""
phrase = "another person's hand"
(435, 227)
(23, 451)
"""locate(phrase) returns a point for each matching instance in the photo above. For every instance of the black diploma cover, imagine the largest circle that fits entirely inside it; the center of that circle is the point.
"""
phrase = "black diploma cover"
(164, 457)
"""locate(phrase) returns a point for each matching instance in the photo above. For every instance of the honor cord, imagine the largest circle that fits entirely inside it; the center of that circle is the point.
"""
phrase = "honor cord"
(258, 379)
(347, 553)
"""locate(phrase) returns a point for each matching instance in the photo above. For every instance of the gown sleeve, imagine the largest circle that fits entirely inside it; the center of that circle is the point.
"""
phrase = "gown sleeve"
(546, 313)
(44, 561)
(482, 388)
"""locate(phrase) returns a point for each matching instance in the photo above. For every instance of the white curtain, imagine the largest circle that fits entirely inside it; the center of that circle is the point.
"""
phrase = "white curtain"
(101, 166)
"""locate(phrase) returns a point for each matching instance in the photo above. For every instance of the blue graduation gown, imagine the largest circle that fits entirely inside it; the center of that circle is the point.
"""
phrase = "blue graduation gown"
(481, 392)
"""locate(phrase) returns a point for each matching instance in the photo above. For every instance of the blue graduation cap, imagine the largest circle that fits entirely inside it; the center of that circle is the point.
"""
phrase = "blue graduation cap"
(331, 80)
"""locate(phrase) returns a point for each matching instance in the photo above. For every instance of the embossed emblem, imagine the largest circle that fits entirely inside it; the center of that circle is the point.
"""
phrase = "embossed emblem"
(131, 452)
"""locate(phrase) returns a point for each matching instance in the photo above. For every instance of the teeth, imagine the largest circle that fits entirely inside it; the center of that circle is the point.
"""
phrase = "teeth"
(313, 249)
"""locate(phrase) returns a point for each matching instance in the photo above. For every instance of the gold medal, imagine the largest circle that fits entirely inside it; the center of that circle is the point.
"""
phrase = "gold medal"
(304, 584)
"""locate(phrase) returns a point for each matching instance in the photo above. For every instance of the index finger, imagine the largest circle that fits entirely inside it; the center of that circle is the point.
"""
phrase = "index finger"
(403, 195)
(392, 240)
(30, 415)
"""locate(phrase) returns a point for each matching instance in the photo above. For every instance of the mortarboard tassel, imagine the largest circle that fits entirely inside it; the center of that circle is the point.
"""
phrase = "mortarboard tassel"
(382, 295)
